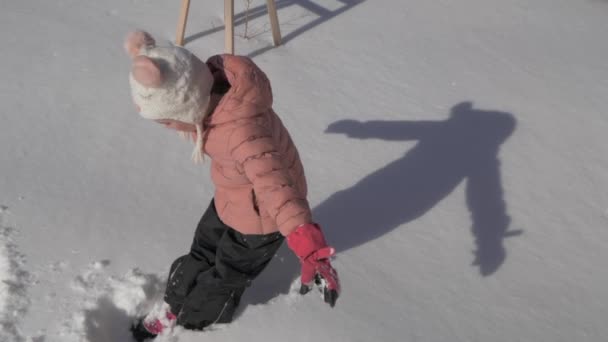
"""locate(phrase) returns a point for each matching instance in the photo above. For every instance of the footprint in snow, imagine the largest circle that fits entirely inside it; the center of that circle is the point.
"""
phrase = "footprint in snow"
(109, 304)
(14, 280)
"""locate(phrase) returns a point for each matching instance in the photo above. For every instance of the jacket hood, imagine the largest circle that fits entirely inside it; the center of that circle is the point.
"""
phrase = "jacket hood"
(250, 93)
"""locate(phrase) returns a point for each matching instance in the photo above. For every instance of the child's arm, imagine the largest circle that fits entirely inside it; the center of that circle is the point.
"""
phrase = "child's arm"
(385, 130)
(252, 146)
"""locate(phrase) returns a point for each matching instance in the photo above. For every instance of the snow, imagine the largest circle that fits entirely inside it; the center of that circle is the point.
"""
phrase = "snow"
(452, 222)
(14, 281)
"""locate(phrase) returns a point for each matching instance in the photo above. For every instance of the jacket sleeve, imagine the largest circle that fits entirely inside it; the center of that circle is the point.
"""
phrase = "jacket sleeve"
(253, 148)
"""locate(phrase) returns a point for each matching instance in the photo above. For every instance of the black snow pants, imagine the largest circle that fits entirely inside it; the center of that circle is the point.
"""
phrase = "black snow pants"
(205, 286)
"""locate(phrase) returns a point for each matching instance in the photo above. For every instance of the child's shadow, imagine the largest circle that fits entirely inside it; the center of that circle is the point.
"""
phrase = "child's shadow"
(462, 148)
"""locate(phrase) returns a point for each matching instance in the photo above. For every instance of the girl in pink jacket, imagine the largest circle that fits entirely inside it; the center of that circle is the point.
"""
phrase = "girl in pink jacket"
(225, 107)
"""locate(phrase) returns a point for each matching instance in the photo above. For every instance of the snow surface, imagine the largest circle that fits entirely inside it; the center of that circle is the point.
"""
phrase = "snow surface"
(456, 153)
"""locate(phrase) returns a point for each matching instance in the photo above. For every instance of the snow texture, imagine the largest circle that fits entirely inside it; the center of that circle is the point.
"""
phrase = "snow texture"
(456, 155)
(14, 281)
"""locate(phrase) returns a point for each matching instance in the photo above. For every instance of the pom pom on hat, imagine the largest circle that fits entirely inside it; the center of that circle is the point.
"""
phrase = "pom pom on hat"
(169, 82)
(136, 40)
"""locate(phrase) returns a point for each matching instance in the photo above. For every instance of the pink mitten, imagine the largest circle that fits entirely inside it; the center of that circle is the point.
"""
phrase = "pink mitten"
(308, 243)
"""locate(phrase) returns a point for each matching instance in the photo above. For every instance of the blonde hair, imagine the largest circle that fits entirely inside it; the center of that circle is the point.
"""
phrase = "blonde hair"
(198, 138)
(198, 155)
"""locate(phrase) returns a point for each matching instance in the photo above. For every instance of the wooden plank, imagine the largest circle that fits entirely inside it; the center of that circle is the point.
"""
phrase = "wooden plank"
(274, 22)
(229, 24)
(181, 25)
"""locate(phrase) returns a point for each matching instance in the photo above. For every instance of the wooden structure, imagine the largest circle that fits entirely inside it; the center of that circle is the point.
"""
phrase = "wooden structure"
(229, 23)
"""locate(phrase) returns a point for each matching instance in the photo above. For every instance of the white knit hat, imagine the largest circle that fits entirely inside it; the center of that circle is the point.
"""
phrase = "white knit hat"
(184, 93)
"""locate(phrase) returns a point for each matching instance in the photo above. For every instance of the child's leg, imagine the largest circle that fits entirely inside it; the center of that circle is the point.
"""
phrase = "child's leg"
(184, 270)
(208, 233)
(239, 259)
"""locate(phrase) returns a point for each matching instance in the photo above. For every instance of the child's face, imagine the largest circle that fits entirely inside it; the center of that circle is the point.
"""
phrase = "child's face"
(177, 125)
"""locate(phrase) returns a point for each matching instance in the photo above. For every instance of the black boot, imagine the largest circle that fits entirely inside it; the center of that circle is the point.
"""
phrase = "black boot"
(139, 331)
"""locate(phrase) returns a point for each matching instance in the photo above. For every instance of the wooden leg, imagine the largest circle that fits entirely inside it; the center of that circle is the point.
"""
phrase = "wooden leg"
(274, 22)
(181, 25)
(229, 24)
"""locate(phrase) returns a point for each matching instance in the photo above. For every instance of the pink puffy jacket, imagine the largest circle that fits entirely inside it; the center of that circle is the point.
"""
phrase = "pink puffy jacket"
(258, 175)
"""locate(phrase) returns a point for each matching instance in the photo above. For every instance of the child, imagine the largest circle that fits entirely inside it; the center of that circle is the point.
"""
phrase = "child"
(224, 105)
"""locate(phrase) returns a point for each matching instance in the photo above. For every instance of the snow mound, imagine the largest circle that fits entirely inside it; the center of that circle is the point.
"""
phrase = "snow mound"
(13, 282)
